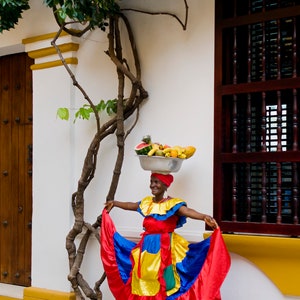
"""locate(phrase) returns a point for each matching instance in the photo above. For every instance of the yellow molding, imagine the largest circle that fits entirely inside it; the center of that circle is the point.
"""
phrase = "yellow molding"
(32, 293)
(42, 37)
(277, 257)
(51, 50)
(55, 63)
(8, 298)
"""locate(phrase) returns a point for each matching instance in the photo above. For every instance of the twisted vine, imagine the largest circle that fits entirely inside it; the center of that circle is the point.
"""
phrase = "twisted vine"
(126, 107)
(106, 15)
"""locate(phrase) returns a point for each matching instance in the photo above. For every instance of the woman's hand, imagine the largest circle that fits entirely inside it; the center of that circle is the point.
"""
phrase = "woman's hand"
(191, 213)
(211, 222)
(109, 205)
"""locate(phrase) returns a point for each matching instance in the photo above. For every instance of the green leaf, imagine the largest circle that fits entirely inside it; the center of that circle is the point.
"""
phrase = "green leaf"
(63, 113)
(95, 12)
(84, 113)
(10, 13)
(101, 105)
(111, 107)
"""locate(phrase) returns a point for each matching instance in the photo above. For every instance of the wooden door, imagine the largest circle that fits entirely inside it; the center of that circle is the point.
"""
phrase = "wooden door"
(15, 169)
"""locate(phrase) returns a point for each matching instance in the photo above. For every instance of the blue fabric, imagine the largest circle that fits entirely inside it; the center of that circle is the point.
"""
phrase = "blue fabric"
(123, 248)
(212, 253)
(151, 243)
(191, 266)
(188, 269)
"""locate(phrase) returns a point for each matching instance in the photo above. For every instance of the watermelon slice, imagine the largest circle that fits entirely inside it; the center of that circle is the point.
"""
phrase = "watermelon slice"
(142, 148)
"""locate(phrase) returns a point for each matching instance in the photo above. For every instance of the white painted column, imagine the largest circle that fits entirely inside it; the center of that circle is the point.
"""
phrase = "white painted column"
(52, 163)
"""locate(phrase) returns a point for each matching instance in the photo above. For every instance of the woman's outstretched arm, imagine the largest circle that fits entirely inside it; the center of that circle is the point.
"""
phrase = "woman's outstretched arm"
(120, 204)
(193, 214)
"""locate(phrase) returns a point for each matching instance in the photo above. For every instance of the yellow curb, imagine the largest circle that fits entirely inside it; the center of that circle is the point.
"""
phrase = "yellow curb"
(33, 293)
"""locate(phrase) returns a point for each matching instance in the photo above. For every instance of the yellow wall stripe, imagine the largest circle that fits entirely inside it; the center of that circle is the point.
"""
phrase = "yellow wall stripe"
(37, 51)
(52, 64)
(42, 37)
(51, 50)
(32, 293)
(8, 298)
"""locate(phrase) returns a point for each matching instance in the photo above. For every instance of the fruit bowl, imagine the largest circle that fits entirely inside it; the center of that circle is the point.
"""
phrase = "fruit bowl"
(160, 164)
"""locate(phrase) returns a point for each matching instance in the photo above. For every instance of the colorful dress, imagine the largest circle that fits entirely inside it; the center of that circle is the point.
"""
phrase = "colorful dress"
(162, 265)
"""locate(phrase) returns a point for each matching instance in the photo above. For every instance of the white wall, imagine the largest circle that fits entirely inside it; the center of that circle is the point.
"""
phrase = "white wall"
(246, 281)
(178, 73)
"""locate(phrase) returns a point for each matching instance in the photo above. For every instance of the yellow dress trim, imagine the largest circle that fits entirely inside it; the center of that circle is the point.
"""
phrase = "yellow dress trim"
(148, 206)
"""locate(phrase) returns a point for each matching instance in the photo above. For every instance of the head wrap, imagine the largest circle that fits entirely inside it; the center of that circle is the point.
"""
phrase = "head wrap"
(167, 179)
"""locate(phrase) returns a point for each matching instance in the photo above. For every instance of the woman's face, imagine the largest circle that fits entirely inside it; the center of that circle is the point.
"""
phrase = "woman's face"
(157, 187)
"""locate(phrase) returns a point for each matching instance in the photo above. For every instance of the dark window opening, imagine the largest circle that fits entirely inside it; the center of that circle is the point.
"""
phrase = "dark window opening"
(257, 119)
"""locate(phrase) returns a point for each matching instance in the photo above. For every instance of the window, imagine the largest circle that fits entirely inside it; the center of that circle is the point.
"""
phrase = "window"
(257, 119)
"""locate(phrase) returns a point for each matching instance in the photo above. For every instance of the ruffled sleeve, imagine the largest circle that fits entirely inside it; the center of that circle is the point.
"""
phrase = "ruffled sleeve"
(162, 211)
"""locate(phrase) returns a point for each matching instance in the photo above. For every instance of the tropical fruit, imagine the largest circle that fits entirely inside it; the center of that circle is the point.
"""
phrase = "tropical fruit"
(159, 152)
(143, 148)
(189, 151)
(146, 139)
(174, 153)
(147, 147)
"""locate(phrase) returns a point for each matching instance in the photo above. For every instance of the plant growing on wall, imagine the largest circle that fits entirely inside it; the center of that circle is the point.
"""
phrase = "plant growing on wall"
(10, 13)
(76, 17)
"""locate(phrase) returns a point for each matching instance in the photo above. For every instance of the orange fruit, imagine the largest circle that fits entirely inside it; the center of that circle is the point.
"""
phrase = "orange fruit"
(174, 153)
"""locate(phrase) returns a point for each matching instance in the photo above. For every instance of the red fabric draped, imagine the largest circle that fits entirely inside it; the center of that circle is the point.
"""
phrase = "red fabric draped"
(216, 266)
(206, 286)
(116, 285)
(120, 290)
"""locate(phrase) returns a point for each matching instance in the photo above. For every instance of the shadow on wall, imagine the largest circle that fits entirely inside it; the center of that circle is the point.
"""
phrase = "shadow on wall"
(246, 282)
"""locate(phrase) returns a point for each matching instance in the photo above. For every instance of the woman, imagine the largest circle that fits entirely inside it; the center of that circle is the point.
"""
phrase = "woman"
(162, 265)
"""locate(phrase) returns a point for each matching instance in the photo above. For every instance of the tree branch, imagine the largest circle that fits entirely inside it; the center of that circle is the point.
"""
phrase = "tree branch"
(182, 23)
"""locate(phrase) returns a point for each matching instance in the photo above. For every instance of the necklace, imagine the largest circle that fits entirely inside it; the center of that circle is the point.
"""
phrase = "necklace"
(160, 201)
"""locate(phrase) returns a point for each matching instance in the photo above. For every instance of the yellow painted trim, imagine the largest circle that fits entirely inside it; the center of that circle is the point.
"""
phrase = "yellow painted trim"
(277, 257)
(52, 64)
(42, 37)
(8, 298)
(51, 50)
(32, 293)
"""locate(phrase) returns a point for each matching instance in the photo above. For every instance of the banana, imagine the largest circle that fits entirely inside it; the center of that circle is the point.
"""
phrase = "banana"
(155, 146)
(151, 152)
(167, 150)
(178, 149)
